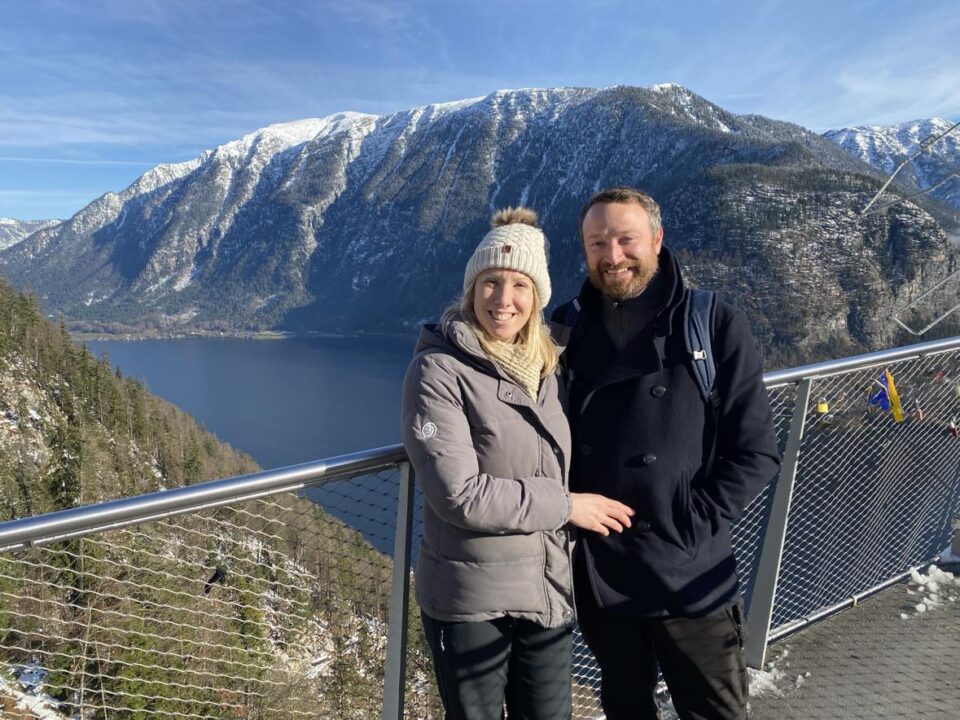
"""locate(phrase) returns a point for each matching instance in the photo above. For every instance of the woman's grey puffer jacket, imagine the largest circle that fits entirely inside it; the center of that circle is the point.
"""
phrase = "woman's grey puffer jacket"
(493, 465)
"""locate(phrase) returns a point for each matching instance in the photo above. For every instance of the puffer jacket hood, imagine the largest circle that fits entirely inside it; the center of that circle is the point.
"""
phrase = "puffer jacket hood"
(461, 341)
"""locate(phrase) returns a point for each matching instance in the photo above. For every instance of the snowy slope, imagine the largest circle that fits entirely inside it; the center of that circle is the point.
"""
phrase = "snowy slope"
(13, 231)
(355, 221)
(886, 146)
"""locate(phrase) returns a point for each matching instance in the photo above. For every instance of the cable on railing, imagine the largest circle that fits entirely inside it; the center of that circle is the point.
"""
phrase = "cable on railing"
(924, 145)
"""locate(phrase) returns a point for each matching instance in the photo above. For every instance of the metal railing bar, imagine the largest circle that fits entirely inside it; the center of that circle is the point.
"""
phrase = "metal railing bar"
(855, 599)
(856, 362)
(114, 514)
(120, 524)
(768, 564)
(396, 662)
(121, 513)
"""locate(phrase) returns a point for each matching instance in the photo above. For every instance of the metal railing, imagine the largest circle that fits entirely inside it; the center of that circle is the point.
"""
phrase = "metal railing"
(286, 593)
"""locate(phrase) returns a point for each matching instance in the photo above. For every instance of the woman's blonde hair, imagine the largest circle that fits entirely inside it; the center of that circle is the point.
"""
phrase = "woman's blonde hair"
(534, 333)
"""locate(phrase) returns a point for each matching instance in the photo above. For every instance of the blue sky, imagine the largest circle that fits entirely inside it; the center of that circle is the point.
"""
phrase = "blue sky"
(95, 92)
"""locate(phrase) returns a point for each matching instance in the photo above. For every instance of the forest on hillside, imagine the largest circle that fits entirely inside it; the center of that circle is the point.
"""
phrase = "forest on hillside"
(270, 608)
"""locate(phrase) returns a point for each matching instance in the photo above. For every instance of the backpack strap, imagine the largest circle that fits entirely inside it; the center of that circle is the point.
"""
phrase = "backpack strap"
(571, 313)
(564, 320)
(700, 310)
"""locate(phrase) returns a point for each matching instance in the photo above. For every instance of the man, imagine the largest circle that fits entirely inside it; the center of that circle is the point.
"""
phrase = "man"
(664, 591)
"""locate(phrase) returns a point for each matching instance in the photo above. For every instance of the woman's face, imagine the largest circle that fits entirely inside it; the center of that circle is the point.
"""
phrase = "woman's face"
(502, 302)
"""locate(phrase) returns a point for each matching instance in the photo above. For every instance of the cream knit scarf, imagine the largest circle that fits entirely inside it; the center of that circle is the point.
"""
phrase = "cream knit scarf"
(520, 362)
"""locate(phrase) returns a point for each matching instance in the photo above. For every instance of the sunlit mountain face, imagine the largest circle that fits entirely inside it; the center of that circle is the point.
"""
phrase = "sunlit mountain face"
(935, 169)
(364, 223)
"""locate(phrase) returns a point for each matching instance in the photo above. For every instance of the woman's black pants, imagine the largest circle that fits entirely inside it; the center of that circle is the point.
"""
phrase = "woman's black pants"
(482, 665)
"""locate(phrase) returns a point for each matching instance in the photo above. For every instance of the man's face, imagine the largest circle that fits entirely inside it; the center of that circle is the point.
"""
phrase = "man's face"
(621, 248)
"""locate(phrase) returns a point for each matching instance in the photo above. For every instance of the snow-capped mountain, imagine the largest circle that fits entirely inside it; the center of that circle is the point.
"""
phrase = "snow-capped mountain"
(361, 222)
(13, 231)
(886, 146)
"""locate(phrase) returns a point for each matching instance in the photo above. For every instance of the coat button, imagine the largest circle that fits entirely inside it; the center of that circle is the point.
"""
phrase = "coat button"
(585, 449)
(556, 450)
(641, 525)
(649, 459)
(658, 391)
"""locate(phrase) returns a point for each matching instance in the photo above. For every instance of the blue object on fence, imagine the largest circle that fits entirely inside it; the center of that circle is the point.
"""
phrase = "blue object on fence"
(879, 396)
(886, 396)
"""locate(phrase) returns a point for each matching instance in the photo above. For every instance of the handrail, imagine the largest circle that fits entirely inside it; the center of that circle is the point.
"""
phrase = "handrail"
(781, 377)
(143, 508)
(114, 514)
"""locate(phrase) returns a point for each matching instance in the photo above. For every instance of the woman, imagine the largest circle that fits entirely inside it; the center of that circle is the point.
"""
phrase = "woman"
(490, 448)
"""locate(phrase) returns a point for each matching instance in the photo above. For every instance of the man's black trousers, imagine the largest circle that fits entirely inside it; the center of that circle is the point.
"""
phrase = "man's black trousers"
(701, 660)
(479, 665)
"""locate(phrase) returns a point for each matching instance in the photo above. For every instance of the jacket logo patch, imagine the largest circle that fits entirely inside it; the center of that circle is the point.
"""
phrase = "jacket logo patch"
(428, 430)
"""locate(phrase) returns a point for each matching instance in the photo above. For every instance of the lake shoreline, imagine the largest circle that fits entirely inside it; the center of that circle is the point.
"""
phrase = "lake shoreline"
(251, 335)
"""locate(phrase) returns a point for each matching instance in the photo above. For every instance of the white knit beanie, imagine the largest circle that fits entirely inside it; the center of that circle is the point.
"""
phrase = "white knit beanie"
(514, 243)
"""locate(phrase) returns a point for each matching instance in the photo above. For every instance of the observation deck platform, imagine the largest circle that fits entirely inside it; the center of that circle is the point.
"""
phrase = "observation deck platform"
(884, 658)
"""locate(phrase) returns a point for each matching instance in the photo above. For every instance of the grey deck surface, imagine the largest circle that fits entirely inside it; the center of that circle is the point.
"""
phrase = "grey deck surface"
(868, 662)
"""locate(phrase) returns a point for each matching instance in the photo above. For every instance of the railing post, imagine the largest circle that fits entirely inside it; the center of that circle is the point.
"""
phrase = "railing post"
(768, 568)
(396, 665)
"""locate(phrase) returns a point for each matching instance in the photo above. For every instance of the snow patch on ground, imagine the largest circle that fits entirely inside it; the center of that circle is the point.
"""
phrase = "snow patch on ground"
(930, 590)
(92, 298)
(774, 680)
(41, 705)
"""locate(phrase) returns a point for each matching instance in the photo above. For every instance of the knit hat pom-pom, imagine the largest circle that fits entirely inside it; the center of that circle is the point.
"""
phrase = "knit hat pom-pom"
(514, 215)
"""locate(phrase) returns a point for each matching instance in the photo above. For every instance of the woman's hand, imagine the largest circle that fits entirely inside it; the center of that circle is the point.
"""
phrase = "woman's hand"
(599, 513)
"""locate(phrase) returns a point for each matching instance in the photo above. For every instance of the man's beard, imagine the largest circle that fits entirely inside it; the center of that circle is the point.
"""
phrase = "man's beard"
(628, 287)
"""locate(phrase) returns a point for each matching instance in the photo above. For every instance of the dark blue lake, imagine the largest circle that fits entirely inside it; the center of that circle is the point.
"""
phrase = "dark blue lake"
(282, 401)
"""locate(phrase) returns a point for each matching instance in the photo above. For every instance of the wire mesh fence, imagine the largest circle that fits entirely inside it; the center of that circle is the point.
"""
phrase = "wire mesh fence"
(873, 496)
(273, 608)
(279, 607)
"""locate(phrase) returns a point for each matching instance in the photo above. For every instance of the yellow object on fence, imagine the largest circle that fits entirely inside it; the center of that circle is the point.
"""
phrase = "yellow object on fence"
(895, 407)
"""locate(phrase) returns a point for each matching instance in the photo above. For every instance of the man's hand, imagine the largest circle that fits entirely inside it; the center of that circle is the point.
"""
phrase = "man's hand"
(599, 513)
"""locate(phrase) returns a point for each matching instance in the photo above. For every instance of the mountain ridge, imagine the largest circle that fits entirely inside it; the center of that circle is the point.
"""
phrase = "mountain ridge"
(352, 222)
(13, 231)
(937, 170)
